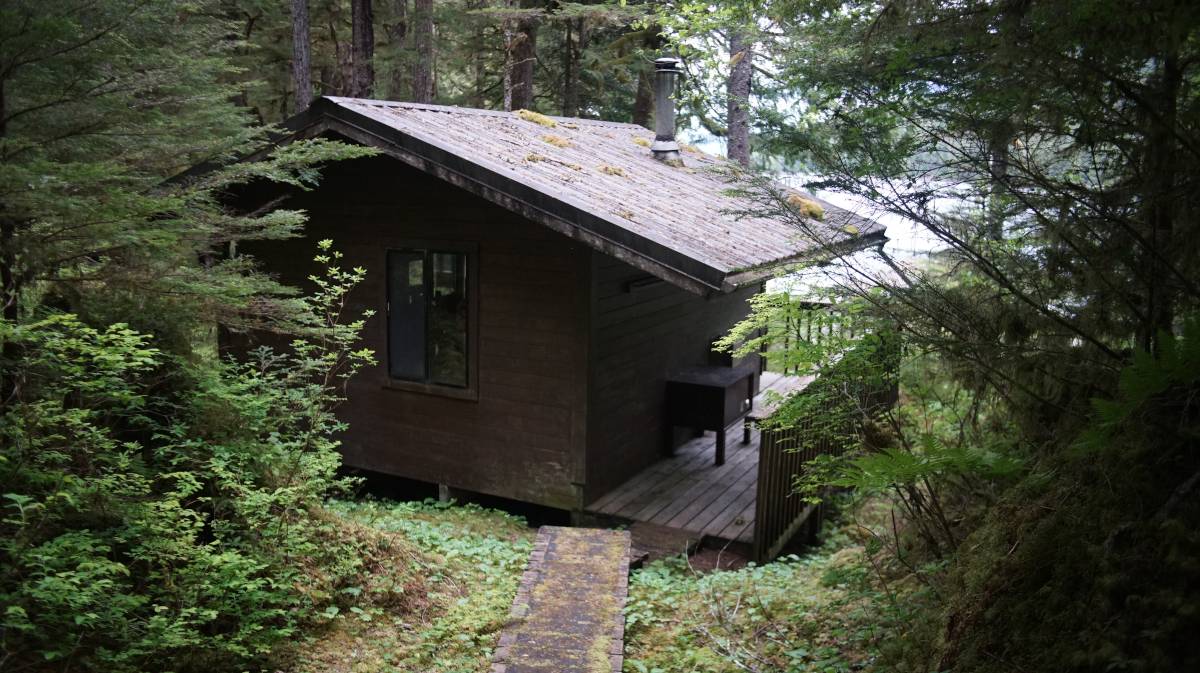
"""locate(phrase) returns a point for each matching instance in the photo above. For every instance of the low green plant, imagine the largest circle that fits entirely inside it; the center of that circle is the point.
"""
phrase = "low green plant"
(824, 611)
(161, 513)
(466, 565)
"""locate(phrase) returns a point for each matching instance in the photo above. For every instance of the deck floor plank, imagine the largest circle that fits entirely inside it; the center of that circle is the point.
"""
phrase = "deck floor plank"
(714, 492)
(680, 469)
(686, 491)
(687, 458)
(670, 501)
(745, 486)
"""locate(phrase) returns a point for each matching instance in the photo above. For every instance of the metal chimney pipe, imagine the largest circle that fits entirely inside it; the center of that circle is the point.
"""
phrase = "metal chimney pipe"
(666, 70)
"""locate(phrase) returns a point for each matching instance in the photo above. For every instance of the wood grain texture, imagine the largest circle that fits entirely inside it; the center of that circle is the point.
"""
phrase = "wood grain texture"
(687, 492)
(523, 438)
(639, 334)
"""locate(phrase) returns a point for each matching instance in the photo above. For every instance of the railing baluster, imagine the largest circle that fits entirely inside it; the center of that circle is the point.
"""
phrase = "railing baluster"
(784, 452)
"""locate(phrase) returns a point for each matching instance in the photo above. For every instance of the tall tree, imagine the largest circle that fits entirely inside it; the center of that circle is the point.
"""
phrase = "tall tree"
(423, 82)
(397, 34)
(301, 56)
(523, 49)
(737, 96)
(574, 41)
(652, 41)
(362, 38)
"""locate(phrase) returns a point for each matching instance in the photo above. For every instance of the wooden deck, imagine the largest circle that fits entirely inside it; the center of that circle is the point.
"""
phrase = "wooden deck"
(687, 492)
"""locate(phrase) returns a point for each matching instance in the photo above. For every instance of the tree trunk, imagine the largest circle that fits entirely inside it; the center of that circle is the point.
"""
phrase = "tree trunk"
(397, 33)
(524, 58)
(301, 56)
(423, 83)
(1161, 201)
(570, 91)
(737, 122)
(509, 36)
(362, 48)
(10, 280)
(1002, 135)
(341, 78)
(643, 100)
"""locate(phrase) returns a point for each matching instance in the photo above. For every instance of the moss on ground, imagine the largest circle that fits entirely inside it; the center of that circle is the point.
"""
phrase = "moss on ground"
(457, 567)
(442, 579)
(824, 611)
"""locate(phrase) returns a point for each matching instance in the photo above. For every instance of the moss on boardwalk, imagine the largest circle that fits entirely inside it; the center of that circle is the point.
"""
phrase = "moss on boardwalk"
(567, 616)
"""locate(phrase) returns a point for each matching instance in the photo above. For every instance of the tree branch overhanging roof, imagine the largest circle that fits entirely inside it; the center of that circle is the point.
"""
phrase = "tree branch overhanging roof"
(597, 182)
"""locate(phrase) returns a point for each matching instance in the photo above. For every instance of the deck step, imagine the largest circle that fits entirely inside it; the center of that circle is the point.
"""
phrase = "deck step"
(568, 614)
(652, 541)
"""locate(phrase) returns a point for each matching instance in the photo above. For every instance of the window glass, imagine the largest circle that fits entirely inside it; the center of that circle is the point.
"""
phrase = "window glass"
(406, 314)
(448, 319)
(427, 316)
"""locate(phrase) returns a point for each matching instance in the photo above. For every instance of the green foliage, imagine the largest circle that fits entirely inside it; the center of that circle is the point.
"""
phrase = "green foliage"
(1147, 377)
(590, 56)
(103, 103)
(469, 560)
(1094, 568)
(149, 527)
(826, 611)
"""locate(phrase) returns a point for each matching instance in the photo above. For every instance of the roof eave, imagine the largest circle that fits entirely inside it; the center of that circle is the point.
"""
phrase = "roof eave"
(825, 254)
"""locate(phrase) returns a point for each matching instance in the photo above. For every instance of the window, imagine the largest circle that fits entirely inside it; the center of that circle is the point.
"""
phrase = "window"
(428, 317)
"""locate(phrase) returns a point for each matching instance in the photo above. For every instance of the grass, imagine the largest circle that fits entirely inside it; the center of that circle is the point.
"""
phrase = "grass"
(458, 567)
(442, 578)
(824, 612)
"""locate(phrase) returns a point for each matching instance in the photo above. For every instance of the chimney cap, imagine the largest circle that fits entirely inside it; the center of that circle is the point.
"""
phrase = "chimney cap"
(667, 63)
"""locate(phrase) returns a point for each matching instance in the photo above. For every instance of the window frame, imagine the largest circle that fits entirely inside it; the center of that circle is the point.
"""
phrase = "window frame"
(471, 252)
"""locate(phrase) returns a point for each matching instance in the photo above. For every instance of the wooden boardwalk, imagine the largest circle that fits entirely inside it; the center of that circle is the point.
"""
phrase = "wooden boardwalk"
(568, 614)
(687, 492)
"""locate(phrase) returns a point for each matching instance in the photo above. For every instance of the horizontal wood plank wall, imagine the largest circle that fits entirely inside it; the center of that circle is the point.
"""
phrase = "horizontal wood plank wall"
(641, 330)
(524, 436)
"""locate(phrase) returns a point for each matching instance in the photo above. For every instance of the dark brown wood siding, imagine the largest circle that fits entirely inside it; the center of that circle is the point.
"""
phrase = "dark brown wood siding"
(642, 329)
(523, 438)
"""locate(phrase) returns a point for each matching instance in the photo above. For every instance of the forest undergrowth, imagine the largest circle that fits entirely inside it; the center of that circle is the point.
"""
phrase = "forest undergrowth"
(830, 609)
(437, 594)
(436, 601)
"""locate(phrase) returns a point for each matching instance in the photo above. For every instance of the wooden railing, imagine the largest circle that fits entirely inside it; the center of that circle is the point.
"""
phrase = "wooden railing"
(814, 322)
(781, 513)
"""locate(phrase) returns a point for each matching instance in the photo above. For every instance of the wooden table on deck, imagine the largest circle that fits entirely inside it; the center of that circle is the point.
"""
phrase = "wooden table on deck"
(709, 398)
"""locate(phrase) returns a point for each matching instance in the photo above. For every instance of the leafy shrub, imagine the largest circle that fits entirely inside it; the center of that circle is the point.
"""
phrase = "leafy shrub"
(824, 611)
(468, 563)
(1089, 563)
(153, 531)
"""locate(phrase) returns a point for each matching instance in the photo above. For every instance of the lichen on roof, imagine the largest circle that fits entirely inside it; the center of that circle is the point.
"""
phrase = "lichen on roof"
(536, 118)
(641, 141)
(557, 141)
(806, 207)
(706, 222)
(534, 157)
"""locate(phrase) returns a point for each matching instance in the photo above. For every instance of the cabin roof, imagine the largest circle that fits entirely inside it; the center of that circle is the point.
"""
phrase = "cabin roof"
(595, 181)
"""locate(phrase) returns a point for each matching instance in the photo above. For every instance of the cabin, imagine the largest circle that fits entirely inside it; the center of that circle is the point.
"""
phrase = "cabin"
(537, 283)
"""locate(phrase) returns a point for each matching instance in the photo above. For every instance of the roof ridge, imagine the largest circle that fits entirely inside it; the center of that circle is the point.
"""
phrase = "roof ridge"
(456, 109)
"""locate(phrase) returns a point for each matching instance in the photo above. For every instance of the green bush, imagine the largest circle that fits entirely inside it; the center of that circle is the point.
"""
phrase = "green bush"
(1091, 562)
(167, 527)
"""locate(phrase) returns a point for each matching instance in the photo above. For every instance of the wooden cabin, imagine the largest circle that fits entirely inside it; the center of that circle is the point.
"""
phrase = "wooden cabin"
(535, 281)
